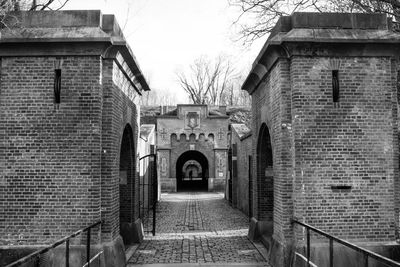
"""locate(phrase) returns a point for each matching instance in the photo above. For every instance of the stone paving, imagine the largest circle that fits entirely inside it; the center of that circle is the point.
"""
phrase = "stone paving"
(197, 227)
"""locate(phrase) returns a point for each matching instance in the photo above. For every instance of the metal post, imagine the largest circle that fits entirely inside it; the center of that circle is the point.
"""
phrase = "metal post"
(154, 193)
(330, 252)
(88, 248)
(308, 247)
(67, 253)
(365, 259)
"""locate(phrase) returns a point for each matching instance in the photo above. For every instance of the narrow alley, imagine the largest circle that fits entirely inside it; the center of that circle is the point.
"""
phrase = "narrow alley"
(196, 229)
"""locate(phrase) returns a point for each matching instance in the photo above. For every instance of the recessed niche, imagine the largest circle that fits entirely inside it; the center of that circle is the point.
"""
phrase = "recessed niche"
(341, 187)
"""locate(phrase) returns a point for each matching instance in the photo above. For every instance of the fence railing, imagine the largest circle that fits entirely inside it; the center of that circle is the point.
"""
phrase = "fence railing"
(35, 255)
(366, 253)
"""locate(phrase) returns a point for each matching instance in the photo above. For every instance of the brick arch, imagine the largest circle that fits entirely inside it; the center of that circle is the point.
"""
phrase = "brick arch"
(127, 180)
(265, 177)
(192, 155)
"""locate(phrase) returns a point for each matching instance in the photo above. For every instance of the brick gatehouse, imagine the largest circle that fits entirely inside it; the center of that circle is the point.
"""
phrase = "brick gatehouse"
(192, 148)
(325, 133)
(69, 124)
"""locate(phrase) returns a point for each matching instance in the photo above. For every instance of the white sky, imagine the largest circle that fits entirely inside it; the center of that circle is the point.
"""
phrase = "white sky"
(168, 35)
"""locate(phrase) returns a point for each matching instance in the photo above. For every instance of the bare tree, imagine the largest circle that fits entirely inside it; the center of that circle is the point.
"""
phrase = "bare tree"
(31, 5)
(234, 95)
(7, 6)
(158, 97)
(258, 17)
(207, 80)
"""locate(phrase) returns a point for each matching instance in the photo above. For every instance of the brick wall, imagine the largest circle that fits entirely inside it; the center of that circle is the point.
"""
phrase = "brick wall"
(271, 107)
(50, 173)
(203, 146)
(175, 137)
(52, 158)
(127, 176)
(352, 143)
(118, 111)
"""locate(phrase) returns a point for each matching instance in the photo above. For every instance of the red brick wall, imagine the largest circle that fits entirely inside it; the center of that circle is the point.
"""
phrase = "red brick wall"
(50, 173)
(317, 144)
(352, 144)
(203, 146)
(118, 111)
(271, 105)
(127, 166)
(60, 167)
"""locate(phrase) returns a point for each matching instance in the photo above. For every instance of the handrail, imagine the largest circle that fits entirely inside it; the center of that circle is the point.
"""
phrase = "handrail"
(366, 253)
(56, 244)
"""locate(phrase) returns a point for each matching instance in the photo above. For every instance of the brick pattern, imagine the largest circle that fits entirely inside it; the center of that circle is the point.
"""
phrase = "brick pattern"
(352, 143)
(209, 138)
(118, 111)
(396, 148)
(271, 106)
(53, 157)
(204, 146)
(127, 169)
(50, 173)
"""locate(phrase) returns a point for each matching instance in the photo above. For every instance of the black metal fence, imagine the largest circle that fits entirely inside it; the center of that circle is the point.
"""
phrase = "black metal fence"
(148, 192)
(36, 256)
(366, 253)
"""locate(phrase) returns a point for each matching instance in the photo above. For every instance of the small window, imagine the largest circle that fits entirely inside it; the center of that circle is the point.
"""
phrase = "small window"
(335, 86)
(57, 86)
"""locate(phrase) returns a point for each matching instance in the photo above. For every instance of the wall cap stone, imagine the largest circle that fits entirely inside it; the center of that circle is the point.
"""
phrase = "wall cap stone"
(363, 34)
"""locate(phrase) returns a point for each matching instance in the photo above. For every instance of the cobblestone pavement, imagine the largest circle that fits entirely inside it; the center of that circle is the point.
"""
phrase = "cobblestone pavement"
(197, 228)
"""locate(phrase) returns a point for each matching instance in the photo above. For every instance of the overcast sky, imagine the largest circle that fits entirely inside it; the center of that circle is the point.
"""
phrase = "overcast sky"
(166, 36)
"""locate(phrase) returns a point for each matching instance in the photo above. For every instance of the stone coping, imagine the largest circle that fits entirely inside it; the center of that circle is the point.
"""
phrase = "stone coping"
(332, 30)
(63, 33)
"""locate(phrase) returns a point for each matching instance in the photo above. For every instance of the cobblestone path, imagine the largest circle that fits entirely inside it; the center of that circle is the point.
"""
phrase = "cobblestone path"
(197, 228)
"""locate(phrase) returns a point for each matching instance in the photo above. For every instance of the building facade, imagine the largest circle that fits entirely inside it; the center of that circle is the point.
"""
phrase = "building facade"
(69, 128)
(192, 148)
(325, 133)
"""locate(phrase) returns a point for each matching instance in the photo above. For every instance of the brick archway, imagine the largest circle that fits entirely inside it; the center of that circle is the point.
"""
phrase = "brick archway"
(189, 184)
(265, 177)
(126, 182)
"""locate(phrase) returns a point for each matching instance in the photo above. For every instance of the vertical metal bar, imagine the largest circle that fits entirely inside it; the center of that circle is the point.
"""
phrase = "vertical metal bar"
(308, 247)
(154, 193)
(88, 248)
(67, 253)
(330, 252)
(365, 259)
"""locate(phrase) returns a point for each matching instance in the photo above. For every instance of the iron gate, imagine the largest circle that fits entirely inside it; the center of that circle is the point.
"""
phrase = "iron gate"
(148, 193)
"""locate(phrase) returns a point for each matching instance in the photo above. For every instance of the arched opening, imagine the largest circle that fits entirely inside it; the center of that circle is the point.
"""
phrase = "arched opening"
(192, 171)
(265, 178)
(126, 184)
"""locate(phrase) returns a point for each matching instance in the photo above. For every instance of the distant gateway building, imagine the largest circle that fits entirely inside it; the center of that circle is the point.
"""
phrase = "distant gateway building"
(192, 148)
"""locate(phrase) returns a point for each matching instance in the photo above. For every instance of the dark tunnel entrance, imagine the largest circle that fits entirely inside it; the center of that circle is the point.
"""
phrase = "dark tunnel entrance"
(192, 171)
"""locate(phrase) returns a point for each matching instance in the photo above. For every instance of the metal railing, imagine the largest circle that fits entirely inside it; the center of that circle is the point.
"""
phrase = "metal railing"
(37, 254)
(366, 253)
